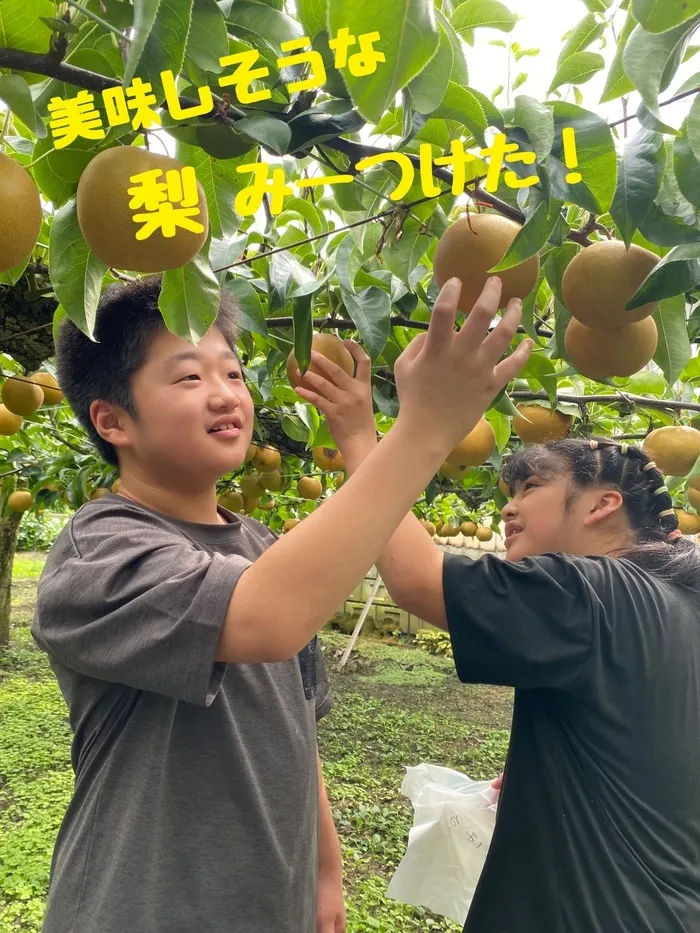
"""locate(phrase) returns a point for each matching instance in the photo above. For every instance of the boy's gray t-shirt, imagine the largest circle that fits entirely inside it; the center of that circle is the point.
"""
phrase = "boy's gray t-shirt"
(196, 794)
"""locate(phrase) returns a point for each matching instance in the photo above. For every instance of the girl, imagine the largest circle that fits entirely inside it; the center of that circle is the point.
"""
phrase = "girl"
(594, 619)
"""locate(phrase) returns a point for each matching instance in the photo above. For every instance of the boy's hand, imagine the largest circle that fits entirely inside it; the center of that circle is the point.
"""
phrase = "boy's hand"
(330, 908)
(446, 379)
(345, 401)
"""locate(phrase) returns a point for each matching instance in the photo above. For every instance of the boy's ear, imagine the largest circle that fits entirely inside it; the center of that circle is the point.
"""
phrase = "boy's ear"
(606, 503)
(111, 422)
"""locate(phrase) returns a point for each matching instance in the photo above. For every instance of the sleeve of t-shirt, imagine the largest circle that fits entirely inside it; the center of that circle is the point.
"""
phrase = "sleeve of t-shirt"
(324, 694)
(527, 624)
(128, 599)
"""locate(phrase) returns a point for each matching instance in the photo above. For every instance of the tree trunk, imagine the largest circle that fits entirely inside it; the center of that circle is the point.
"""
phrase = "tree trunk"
(9, 528)
(25, 325)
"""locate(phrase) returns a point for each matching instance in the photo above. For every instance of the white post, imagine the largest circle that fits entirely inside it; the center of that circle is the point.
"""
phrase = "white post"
(360, 623)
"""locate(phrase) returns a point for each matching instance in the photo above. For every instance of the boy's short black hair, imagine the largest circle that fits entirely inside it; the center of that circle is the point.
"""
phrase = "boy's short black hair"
(127, 319)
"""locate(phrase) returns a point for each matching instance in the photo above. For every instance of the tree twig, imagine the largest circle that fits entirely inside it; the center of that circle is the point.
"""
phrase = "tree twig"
(642, 401)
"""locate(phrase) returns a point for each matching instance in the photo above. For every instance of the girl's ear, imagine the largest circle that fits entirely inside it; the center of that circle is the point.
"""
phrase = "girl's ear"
(606, 503)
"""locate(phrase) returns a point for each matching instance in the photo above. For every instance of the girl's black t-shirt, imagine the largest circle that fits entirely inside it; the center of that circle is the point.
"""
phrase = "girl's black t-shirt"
(598, 829)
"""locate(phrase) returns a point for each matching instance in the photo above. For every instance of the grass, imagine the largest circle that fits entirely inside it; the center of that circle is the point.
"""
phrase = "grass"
(395, 705)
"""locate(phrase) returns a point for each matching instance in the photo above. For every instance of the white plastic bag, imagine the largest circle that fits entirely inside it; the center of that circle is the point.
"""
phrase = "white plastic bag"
(453, 823)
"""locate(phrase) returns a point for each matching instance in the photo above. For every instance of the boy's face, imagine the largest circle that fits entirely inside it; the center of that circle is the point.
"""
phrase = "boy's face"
(194, 411)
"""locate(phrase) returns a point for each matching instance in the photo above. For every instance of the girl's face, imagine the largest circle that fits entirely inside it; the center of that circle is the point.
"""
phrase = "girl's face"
(537, 520)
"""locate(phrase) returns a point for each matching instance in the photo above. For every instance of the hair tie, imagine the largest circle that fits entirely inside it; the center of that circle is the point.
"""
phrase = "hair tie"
(661, 489)
(650, 466)
(594, 445)
(624, 448)
(667, 512)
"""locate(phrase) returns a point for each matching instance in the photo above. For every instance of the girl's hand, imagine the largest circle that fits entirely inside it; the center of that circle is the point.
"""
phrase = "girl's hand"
(345, 401)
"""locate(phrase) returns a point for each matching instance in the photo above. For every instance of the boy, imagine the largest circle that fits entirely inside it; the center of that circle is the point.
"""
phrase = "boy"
(182, 635)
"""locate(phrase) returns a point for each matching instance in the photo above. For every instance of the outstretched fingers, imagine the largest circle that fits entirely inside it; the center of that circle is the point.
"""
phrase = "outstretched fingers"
(331, 371)
(318, 401)
(498, 341)
(319, 384)
(442, 318)
(509, 368)
(364, 363)
(476, 326)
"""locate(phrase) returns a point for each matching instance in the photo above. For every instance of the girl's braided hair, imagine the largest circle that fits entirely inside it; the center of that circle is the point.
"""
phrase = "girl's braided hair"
(660, 547)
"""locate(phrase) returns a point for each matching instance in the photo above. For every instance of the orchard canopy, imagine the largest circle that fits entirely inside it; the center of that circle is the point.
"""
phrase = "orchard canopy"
(330, 163)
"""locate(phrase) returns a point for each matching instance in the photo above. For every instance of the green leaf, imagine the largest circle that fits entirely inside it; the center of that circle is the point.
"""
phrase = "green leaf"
(303, 331)
(504, 404)
(691, 127)
(311, 418)
(268, 130)
(12, 276)
(348, 260)
(189, 298)
(58, 172)
(532, 236)
(677, 272)
(555, 266)
(312, 15)
(493, 115)
(295, 429)
(221, 183)
(662, 230)
(691, 84)
(385, 400)
(583, 35)
(640, 168)
(540, 368)
(501, 427)
(597, 159)
(118, 12)
(617, 83)
(673, 350)
(408, 38)
(21, 29)
(60, 25)
(646, 382)
(314, 126)
(291, 278)
(598, 6)
(528, 311)
(298, 207)
(428, 88)
(207, 41)
(577, 69)
(59, 316)
(402, 256)
(687, 170)
(474, 14)
(160, 33)
(250, 307)
(538, 122)
(662, 15)
(14, 90)
(462, 105)
(251, 16)
(460, 72)
(646, 57)
(562, 319)
(370, 311)
(76, 274)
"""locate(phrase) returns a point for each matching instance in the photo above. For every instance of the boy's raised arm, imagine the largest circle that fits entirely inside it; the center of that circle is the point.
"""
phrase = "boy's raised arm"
(445, 380)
